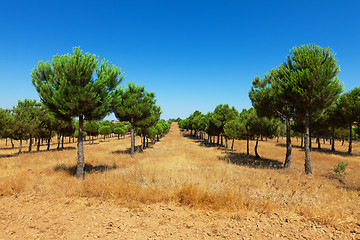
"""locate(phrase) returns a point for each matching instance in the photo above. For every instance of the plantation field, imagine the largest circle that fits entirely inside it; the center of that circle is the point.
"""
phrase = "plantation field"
(178, 189)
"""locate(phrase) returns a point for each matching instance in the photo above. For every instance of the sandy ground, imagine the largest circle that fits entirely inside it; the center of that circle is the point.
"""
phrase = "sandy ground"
(40, 216)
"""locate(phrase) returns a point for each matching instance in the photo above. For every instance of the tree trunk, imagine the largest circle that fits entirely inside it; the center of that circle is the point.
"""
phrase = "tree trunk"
(58, 139)
(69, 139)
(80, 153)
(350, 138)
(147, 142)
(142, 142)
(232, 145)
(38, 145)
(20, 146)
(247, 146)
(226, 142)
(30, 143)
(310, 145)
(218, 140)
(318, 141)
(256, 146)
(307, 145)
(12, 143)
(277, 139)
(6, 141)
(132, 137)
(48, 143)
(222, 144)
(62, 141)
(333, 140)
(287, 163)
(302, 142)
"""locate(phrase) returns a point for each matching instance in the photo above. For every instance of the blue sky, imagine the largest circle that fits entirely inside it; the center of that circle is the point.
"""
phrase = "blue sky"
(193, 54)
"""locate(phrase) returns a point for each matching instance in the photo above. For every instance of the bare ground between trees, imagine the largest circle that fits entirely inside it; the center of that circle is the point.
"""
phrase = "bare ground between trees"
(59, 211)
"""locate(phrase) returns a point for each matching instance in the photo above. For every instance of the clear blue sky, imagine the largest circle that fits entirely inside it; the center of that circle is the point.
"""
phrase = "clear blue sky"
(193, 54)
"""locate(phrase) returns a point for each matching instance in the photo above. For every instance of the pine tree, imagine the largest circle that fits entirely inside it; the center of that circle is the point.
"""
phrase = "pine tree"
(68, 88)
(235, 129)
(92, 129)
(5, 119)
(222, 115)
(105, 130)
(309, 83)
(267, 102)
(148, 122)
(25, 121)
(132, 104)
(349, 108)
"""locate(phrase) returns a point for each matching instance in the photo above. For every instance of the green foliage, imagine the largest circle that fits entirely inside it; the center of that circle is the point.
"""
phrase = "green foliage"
(120, 131)
(223, 114)
(235, 129)
(349, 106)
(5, 122)
(105, 130)
(92, 128)
(67, 87)
(136, 106)
(151, 132)
(340, 170)
(309, 78)
(132, 103)
(25, 119)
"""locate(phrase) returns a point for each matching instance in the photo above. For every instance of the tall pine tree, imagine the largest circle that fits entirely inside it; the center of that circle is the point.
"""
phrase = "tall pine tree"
(68, 87)
(309, 82)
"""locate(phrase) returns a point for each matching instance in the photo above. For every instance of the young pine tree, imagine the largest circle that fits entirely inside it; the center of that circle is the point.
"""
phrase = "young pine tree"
(132, 104)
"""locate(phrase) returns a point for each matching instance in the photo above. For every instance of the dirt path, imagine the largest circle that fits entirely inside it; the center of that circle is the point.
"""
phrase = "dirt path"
(42, 216)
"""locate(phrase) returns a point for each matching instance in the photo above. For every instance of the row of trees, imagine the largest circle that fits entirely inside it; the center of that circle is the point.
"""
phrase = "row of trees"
(228, 123)
(31, 121)
(305, 90)
(78, 86)
(302, 95)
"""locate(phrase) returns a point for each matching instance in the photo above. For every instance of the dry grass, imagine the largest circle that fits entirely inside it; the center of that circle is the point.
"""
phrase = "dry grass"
(182, 171)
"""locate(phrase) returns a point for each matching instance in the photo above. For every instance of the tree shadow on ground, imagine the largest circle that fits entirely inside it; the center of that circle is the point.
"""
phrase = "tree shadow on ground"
(128, 150)
(88, 169)
(251, 161)
(342, 182)
(201, 141)
(34, 151)
(321, 150)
